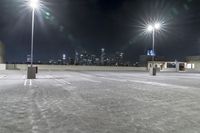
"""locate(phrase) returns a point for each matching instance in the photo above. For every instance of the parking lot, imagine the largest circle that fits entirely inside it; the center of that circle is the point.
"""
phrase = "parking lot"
(99, 102)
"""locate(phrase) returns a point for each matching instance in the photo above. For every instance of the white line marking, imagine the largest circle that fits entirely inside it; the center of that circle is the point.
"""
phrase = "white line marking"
(119, 80)
(184, 77)
(63, 81)
(161, 84)
(49, 76)
(24, 77)
(86, 75)
(91, 80)
(25, 81)
(151, 83)
(30, 82)
(2, 76)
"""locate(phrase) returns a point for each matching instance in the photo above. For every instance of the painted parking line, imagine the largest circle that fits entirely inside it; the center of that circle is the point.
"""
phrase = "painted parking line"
(24, 77)
(150, 83)
(28, 82)
(184, 77)
(86, 75)
(62, 81)
(113, 79)
(48, 76)
(25, 81)
(3, 76)
(90, 80)
(161, 84)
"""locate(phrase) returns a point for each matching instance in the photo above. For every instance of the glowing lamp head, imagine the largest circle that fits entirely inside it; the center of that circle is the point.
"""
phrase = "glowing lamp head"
(34, 4)
(157, 26)
(150, 28)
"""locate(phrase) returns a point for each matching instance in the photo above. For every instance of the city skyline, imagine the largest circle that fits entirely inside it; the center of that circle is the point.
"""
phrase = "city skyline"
(65, 26)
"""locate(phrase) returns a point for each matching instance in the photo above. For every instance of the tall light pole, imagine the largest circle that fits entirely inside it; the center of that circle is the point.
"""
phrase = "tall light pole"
(153, 28)
(34, 4)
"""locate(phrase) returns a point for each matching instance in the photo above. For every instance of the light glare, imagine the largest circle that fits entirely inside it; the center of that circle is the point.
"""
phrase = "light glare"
(150, 28)
(157, 26)
(34, 4)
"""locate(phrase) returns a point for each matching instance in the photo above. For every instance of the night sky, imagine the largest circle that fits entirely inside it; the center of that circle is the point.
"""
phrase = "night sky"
(63, 26)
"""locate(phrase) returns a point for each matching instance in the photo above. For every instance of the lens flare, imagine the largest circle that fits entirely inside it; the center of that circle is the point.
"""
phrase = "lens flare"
(157, 26)
(150, 28)
(34, 4)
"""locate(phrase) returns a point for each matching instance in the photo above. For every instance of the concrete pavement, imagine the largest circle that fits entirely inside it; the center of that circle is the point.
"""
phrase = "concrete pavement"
(99, 102)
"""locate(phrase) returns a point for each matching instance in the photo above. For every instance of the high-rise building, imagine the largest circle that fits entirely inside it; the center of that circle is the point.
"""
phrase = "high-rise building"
(2, 52)
(64, 57)
(118, 58)
(76, 60)
(102, 56)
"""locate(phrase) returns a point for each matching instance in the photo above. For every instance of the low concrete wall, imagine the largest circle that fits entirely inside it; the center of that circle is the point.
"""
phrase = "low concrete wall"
(192, 70)
(170, 70)
(196, 66)
(2, 66)
(75, 68)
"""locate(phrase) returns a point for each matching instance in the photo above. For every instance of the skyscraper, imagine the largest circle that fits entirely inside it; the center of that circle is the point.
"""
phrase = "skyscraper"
(102, 56)
(2, 52)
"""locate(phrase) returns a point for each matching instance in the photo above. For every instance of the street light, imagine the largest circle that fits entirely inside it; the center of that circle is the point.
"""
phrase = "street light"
(153, 28)
(34, 4)
(157, 26)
